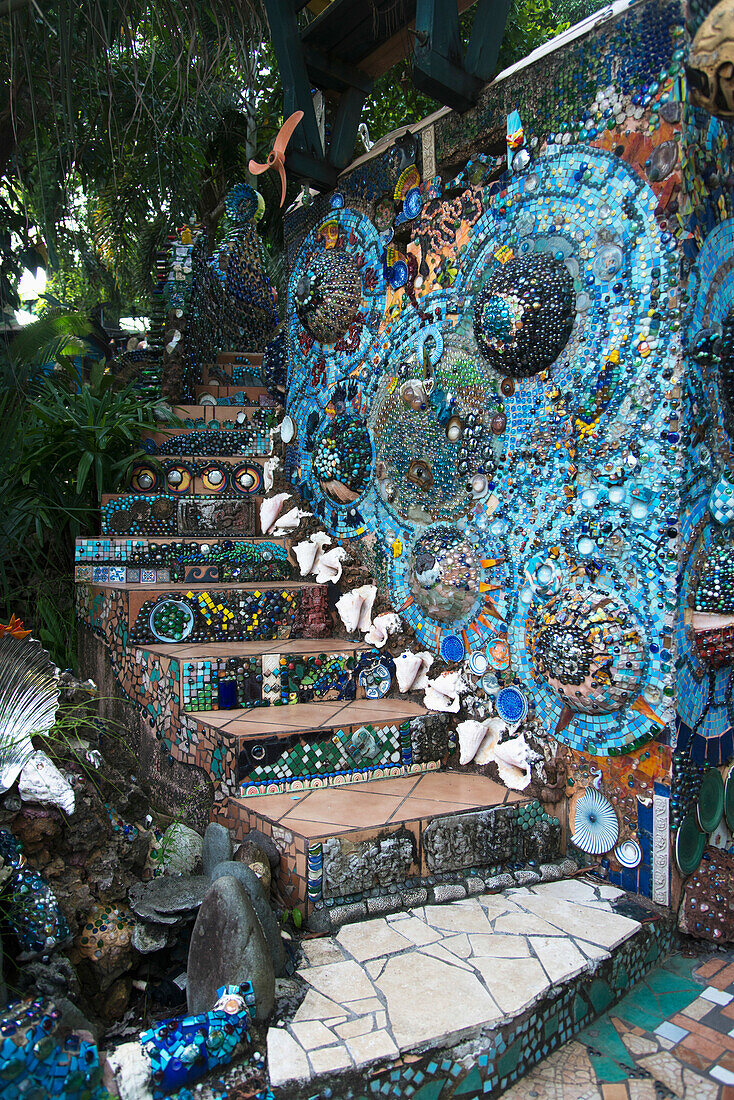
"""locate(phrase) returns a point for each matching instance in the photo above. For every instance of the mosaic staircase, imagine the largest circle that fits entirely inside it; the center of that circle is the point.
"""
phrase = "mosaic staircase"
(235, 663)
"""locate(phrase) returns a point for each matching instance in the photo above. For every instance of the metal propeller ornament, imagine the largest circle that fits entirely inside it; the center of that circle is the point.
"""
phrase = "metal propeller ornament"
(277, 154)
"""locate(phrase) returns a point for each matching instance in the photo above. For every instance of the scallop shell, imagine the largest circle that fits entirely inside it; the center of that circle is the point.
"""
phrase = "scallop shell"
(596, 828)
(29, 696)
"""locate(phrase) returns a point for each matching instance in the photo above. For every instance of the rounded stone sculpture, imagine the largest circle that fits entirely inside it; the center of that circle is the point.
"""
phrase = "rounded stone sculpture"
(228, 947)
(217, 847)
(257, 895)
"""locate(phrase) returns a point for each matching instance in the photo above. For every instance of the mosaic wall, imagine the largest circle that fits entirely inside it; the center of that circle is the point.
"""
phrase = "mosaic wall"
(485, 338)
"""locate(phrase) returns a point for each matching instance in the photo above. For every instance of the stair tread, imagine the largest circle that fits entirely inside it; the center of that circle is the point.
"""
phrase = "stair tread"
(295, 717)
(377, 802)
(256, 648)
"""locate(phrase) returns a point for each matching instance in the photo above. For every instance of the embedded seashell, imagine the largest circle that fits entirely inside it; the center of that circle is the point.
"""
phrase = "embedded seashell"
(329, 565)
(269, 468)
(471, 734)
(411, 670)
(485, 753)
(288, 522)
(270, 510)
(443, 693)
(41, 781)
(308, 552)
(355, 608)
(512, 762)
(381, 629)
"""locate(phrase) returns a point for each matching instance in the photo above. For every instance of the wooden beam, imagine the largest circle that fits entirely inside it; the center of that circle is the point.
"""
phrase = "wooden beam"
(485, 40)
(344, 130)
(327, 72)
(314, 169)
(296, 84)
(397, 47)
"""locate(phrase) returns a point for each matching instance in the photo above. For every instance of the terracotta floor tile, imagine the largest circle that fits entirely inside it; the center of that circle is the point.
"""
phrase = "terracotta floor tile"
(727, 1060)
(397, 785)
(703, 1047)
(459, 787)
(615, 1091)
(707, 969)
(727, 1092)
(312, 829)
(724, 978)
(342, 806)
(423, 808)
(728, 1010)
(711, 1034)
(272, 806)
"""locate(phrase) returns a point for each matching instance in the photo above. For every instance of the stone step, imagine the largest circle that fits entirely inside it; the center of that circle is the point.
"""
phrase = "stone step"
(267, 672)
(221, 392)
(462, 999)
(374, 846)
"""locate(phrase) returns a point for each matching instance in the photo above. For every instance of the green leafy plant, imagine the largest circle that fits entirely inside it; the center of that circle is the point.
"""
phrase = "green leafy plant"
(63, 444)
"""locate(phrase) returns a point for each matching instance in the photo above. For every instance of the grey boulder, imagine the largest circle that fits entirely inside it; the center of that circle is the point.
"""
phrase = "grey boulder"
(228, 948)
(217, 847)
(261, 905)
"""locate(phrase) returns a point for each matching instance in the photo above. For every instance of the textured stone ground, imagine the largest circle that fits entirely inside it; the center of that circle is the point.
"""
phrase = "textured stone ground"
(436, 974)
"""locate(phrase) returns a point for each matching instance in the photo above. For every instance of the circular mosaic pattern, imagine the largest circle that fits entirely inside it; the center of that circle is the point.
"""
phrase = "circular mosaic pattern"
(328, 294)
(589, 650)
(343, 459)
(524, 315)
(444, 574)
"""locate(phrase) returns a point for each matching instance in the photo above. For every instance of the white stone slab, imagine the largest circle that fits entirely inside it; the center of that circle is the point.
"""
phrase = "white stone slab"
(328, 1059)
(593, 925)
(461, 916)
(561, 959)
(569, 889)
(372, 1048)
(312, 1033)
(513, 983)
(322, 951)
(458, 945)
(417, 931)
(428, 1001)
(315, 1007)
(369, 939)
(286, 1059)
(499, 946)
(345, 981)
(361, 1026)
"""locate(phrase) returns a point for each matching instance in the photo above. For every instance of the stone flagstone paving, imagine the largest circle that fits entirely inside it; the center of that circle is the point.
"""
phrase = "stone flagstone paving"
(469, 965)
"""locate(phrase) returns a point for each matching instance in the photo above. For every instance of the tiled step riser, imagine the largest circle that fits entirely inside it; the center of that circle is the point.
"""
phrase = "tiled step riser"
(216, 430)
(186, 477)
(255, 558)
(140, 600)
(290, 762)
(462, 852)
(168, 516)
(226, 394)
(218, 615)
(273, 679)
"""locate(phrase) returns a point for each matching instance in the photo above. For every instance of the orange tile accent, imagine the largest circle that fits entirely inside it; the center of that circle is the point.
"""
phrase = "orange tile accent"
(708, 969)
(616, 1091)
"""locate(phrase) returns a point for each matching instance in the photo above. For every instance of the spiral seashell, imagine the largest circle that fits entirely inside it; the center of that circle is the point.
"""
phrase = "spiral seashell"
(596, 828)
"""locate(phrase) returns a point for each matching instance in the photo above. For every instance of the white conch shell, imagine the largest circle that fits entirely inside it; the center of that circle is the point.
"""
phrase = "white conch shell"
(443, 692)
(471, 734)
(355, 608)
(288, 522)
(329, 565)
(512, 762)
(270, 509)
(382, 627)
(308, 552)
(269, 467)
(41, 781)
(412, 670)
(485, 753)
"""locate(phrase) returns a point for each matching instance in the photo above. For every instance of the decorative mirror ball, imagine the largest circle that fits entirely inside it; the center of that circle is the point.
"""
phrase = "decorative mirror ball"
(524, 314)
